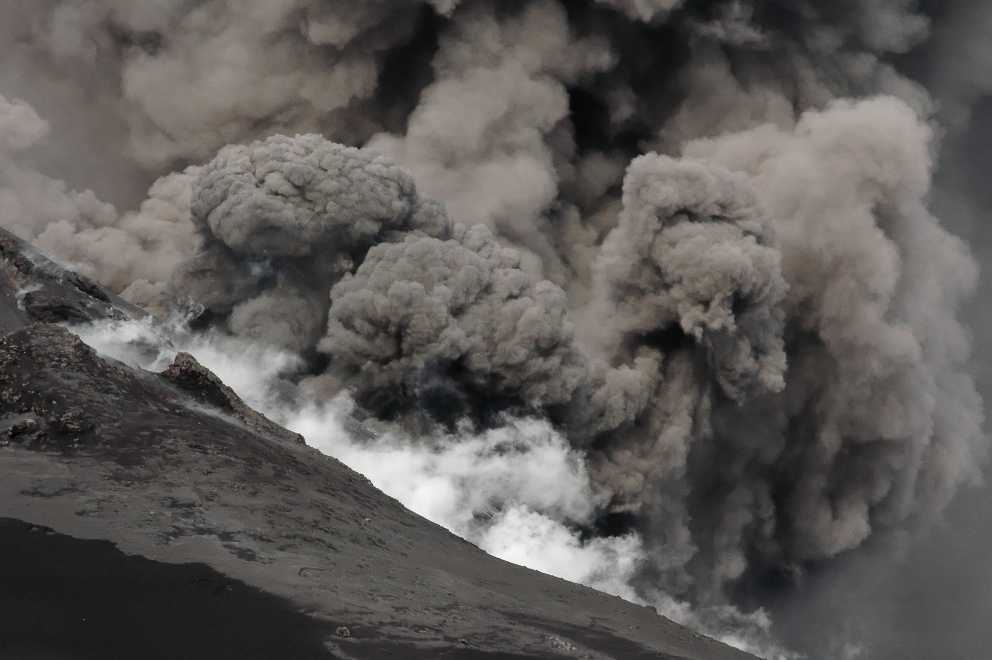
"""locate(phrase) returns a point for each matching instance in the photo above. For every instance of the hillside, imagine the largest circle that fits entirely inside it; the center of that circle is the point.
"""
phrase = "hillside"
(156, 516)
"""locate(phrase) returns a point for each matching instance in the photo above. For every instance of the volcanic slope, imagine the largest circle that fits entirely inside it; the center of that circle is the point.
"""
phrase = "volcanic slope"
(156, 516)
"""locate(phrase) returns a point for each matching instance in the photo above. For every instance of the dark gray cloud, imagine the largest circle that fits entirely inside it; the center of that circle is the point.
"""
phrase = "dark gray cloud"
(423, 303)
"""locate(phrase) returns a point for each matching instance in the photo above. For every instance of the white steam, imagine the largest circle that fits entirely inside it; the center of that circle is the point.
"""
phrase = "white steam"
(512, 490)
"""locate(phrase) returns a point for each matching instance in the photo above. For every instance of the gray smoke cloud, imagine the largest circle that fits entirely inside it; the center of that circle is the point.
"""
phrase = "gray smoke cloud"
(877, 392)
(738, 278)
(691, 249)
(490, 135)
(20, 125)
(133, 253)
(291, 64)
(282, 219)
(644, 10)
(698, 237)
(426, 303)
(289, 197)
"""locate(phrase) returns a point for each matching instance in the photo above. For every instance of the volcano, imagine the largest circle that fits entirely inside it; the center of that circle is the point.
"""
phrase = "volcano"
(156, 515)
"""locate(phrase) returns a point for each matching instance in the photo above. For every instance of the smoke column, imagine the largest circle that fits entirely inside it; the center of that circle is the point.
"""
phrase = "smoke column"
(711, 262)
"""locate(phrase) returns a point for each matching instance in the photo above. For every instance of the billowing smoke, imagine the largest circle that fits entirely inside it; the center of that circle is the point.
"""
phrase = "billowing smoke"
(490, 135)
(693, 243)
(282, 219)
(464, 304)
(691, 251)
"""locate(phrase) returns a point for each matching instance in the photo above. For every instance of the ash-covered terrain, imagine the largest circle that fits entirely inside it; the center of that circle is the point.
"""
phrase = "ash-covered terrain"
(155, 515)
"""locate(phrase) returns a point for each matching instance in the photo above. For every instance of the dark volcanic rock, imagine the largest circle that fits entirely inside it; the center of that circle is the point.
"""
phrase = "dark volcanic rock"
(33, 288)
(36, 414)
(175, 469)
(75, 397)
(205, 386)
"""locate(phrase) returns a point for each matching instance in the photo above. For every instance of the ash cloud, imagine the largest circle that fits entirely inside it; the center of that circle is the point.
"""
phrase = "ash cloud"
(287, 197)
(133, 253)
(464, 304)
(880, 384)
(691, 249)
(281, 220)
(698, 238)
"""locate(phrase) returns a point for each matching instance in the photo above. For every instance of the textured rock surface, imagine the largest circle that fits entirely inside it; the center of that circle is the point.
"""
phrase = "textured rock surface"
(174, 468)
(33, 288)
(189, 375)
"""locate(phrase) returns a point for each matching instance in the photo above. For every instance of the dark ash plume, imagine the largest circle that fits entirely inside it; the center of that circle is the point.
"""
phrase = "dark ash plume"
(697, 237)
(460, 305)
